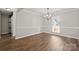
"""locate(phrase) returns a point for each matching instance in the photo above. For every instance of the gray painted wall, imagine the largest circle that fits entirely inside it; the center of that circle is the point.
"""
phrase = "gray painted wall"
(27, 23)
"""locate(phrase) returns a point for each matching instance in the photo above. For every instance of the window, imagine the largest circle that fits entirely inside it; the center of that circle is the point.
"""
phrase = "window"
(56, 25)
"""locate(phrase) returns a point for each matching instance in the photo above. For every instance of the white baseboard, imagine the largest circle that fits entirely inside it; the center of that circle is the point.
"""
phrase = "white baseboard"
(46, 32)
(26, 35)
(64, 35)
(5, 33)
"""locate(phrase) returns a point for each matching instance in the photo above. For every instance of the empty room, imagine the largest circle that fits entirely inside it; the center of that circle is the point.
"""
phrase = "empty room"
(39, 29)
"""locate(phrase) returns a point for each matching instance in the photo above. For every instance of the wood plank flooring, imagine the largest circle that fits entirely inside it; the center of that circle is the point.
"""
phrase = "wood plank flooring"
(39, 42)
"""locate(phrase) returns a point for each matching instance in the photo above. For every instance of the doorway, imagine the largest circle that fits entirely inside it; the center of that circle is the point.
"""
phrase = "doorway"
(6, 27)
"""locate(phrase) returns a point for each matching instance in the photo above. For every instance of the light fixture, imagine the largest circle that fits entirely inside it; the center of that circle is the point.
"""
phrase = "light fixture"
(48, 15)
(8, 9)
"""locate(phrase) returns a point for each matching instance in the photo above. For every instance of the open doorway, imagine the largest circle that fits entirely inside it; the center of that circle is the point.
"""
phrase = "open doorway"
(6, 27)
(0, 26)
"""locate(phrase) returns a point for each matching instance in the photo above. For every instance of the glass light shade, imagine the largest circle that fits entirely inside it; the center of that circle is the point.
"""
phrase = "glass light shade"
(8, 9)
(48, 15)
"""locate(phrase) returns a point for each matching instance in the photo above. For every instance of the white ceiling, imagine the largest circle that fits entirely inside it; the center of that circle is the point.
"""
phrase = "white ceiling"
(52, 10)
(44, 10)
(38, 10)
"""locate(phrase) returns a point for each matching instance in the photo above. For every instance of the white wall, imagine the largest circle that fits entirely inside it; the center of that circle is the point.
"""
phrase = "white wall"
(69, 23)
(46, 25)
(4, 24)
(27, 23)
(13, 22)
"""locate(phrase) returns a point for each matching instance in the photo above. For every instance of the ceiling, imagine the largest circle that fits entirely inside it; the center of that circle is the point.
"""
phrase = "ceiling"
(44, 10)
(38, 10)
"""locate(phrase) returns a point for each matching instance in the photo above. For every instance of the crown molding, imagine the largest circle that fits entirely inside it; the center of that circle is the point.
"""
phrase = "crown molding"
(60, 11)
(27, 10)
(67, 10)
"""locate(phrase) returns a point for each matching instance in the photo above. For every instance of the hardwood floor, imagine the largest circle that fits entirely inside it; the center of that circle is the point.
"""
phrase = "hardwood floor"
(39, 42)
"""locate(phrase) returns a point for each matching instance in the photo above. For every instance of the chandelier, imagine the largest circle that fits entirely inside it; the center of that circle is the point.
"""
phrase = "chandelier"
(48, 15)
